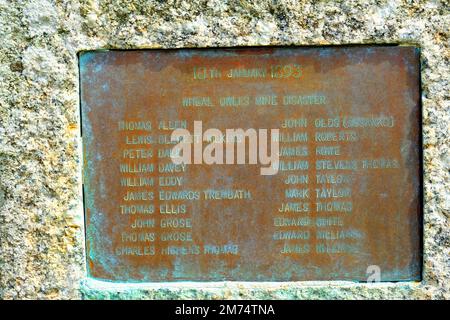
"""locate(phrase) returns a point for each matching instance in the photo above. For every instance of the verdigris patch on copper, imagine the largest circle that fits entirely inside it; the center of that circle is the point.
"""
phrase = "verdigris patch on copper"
(344, 203)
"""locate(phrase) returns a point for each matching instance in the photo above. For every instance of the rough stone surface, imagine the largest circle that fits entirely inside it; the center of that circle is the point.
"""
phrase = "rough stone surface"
(41, 215)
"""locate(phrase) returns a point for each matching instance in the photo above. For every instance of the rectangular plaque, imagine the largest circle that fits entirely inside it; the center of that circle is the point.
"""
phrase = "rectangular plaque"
(338, 199)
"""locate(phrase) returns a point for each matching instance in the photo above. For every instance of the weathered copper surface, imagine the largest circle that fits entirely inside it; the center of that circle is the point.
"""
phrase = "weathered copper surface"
(352, 205)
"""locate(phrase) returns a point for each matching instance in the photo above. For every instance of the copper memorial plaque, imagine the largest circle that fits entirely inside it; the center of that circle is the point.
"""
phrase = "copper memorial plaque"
(335, 196)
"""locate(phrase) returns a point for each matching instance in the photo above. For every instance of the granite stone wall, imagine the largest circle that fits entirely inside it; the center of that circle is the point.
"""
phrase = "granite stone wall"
(41, 212)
